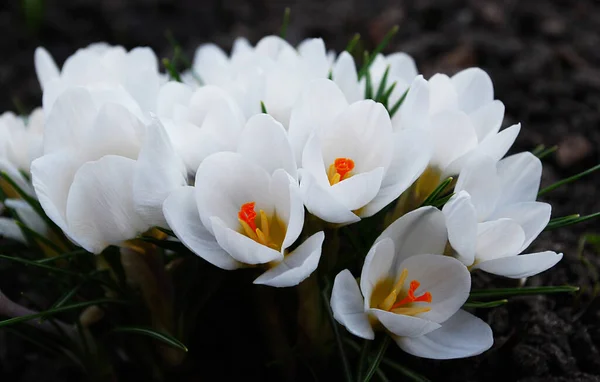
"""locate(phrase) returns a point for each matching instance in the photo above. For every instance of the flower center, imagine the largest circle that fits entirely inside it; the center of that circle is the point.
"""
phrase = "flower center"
(402, 303)
(260, 228)
(340, 169)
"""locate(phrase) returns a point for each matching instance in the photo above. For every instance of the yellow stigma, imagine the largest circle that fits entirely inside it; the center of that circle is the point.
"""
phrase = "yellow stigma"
(260, 228)
(398, 301)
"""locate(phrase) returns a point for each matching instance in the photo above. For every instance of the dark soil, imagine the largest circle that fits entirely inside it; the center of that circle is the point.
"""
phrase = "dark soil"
(544, 59)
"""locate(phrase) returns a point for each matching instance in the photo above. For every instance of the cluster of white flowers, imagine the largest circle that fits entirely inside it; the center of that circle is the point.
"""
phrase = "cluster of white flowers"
(244, 156)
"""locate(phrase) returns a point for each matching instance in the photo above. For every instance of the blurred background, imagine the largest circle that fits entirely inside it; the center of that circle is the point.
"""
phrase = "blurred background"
(544, 60)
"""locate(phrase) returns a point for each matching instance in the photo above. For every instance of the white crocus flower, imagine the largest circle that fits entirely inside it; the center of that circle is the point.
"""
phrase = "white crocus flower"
(245, 209)
(27, 215)
(199, 122)
(104, 174)
(402, 71)
(462, 117)
(273, 72)
(410, 290)
(353, 163)
(493, 216)
(99, 66)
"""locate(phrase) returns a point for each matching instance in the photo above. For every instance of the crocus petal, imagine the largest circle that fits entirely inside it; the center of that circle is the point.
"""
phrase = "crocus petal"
(45, 67)
(412, 152)
(10, 230)
(211, 63)
(345, 76)
(442, 94)
(414, 111)
(317, 107)
(453, 136)
(377, 267)
(100, 209)
(520, 266)
(496, 145)
(170, 96)
(480, 179)
(313, 54)
(51, 176)
(358, 190)
(158, 172)
(461, 221)
(474, 88)
(312, 161)
(533, 217)
(347, 306)
(296, 266)
(402, 66)
(498, 238)
(446, 278)
(488, 119)
(241, 247)
(403, 325)
(288, 205)
(321, 203)
(264, 141)
(420, 231)
(224, 182)
(27, 215)
(463, 335)
(181, 213)
(520, 175)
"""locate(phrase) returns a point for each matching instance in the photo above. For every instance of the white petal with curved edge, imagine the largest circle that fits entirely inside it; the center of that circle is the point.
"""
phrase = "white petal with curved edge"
(264, 141)
(51, 176)
(314, 56)
(224, 182)
(403, 66)
(317, 107)
(488, 119)
(345, 76)
(533, 217)
(480, 179)
(461, 221)
(288, 205)
(100, 209)
(377, 267)
(72, 115)
(403, 325)
(442, 94)
(412, 152)
(211, 63)
(358, 190)
(10, 230)
(321, 203)
(414, 111)
(446, 278)
(28, 215)
(181, 213)
(13, 172)
(520, 175)
(463, 335)
(45, 67)
(453, 136)
(296, 266)
(241, 247)
(474, 88)
(312, 161)
(420, 231)
(170, 96)
(347, 306)
(498, 238)
(497, 145)
(158, 172)
(520, 266)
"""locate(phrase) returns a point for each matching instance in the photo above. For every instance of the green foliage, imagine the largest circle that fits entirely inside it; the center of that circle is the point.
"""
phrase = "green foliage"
(149, 332)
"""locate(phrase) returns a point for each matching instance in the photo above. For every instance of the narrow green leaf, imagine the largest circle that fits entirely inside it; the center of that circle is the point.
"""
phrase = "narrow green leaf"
(398, 103)
(63, 256)
(439, 203)
(378, 358)
(149, 332)
(61, 309)
(285, 23)
(538, 149)
(568, 180)
(263, 108)
(37, 237)
(352, 43)
(524, 291)
(545, 153)
(436, 192)
(368, 85)
(407, 372)
(364, 352)
(382, 85)
(41, 265)
(336, 332)
(386, 40)
(173, 74)
(569, 220)
(386, 96)
(489, 304)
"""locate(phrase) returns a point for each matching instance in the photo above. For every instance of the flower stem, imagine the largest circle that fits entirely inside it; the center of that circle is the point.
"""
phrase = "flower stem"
(378, 357)
(363, 359)
(338, 338)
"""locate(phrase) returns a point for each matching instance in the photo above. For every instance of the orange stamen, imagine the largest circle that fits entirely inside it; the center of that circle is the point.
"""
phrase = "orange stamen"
(247, 214)
(339, 170)
(410, 295)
